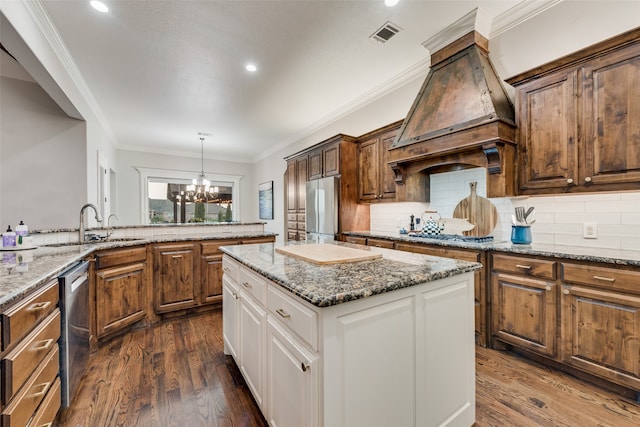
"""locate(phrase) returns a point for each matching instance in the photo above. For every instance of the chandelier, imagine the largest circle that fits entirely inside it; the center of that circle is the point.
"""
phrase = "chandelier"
(200, 190)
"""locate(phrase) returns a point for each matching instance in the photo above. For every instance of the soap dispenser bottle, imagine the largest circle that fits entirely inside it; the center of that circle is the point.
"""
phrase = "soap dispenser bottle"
(9, 238)
(22, 229)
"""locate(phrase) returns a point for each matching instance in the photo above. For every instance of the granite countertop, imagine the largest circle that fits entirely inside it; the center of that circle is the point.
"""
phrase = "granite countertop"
(578, 253)
(23, 271)
(331, 284)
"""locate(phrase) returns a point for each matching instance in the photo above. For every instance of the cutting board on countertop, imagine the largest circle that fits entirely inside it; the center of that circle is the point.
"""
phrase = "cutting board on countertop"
(324, 253)
(478, 211)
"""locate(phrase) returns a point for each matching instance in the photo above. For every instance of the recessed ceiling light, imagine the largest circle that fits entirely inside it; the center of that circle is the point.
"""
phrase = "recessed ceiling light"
(99, 6)
(251, 68)
(391, 3)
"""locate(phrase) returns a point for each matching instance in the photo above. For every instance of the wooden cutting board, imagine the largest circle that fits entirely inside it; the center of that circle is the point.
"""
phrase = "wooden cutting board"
(478, 211)
(324, 253)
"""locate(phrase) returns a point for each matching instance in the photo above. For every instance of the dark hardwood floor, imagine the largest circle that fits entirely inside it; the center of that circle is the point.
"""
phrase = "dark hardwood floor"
(175, 374)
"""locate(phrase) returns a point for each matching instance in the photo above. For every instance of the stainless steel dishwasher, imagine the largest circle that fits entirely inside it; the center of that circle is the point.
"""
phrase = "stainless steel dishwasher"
(74, 341)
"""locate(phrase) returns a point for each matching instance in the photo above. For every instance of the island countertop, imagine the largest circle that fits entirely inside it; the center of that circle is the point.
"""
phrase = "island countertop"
(327, 285)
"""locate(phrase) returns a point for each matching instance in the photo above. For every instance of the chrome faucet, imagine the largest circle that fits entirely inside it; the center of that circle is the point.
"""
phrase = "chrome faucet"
(82, 209)
(109, 232)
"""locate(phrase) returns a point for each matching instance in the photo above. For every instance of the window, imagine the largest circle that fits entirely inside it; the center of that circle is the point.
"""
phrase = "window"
(167, 198)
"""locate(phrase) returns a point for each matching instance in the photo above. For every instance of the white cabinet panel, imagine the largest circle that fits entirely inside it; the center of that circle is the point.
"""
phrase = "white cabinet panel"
(230, 303)
(252, 335)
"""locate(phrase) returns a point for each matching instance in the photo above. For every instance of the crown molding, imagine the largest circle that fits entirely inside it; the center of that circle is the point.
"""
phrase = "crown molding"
(520, 13)
(476, 20)
(51, 35)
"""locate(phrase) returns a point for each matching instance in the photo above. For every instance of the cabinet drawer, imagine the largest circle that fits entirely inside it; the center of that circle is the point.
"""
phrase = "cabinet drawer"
(18, 320)
(213, 247)
(114, 257)
(301, 226)
(253, 285)
(18, 412)
(230, 268)
(21, 361)
(49, 407)
(294, 316)
(301, 218)
(291, 217)
(380, 243)
(438, 251)
(602, 277)
(356, 240)
(543, 269)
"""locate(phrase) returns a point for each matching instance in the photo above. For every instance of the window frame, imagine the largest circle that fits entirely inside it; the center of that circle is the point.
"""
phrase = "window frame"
(169, 174)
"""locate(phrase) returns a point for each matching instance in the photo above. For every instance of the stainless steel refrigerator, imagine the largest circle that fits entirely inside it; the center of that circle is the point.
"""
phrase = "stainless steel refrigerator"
(321, 209)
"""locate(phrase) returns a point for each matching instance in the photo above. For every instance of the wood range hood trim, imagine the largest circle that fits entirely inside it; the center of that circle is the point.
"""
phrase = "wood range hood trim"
(461, 118)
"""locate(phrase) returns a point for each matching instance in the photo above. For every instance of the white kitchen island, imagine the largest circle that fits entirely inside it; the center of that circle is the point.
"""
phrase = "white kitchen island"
(384, 342)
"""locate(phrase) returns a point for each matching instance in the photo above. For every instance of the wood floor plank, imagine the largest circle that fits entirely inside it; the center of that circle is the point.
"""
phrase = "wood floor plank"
(176, 374)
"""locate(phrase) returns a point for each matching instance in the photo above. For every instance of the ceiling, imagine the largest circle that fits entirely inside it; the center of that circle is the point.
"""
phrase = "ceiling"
(162, 71)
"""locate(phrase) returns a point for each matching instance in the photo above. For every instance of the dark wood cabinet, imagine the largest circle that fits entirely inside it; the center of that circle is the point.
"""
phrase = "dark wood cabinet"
(297, 170)
(175, 278)
(121, 291)
(577, 120)
(376, 180)
(336, 156)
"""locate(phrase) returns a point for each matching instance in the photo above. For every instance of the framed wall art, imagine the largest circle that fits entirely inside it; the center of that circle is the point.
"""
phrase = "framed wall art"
(265, 200)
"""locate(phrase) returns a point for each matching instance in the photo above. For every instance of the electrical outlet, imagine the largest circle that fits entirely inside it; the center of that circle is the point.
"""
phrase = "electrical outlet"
(590, 230)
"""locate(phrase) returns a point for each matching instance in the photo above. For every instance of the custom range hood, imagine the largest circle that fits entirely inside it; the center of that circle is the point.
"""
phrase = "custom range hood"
(461, 118)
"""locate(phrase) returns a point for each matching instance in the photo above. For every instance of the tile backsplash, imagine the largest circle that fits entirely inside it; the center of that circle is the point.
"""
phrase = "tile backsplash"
(559, 218)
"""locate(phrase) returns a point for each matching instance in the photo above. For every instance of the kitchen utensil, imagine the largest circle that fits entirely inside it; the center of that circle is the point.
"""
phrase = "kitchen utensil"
(431, 222)
(456, 225)
(527, 213)
(519, 214)
(478, 211)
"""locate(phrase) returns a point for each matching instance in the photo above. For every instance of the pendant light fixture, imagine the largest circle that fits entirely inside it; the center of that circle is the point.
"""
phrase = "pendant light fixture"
(200, 190)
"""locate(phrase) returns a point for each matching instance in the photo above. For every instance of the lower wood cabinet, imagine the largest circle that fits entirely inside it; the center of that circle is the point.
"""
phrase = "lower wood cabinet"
(121, 291)
(583, 315)
(175, 279)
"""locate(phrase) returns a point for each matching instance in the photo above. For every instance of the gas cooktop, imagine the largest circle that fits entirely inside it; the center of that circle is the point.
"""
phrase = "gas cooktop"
(454, 237)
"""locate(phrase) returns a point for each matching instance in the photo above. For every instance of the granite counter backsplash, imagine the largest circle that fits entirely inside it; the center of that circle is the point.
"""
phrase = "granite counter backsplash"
(580, 253)
(23, 271)
(331, 284)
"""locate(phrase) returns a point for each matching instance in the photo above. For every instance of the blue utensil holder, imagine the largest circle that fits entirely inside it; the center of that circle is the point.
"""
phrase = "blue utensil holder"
(521, 234)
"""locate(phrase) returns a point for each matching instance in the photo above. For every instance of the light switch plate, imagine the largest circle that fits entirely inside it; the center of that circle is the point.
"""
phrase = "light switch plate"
(590, 230)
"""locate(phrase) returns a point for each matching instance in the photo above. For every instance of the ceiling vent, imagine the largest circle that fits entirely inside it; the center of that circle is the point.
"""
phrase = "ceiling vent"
(384, 33)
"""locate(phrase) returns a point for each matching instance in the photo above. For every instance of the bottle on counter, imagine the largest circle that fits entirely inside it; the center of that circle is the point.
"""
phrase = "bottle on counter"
(9, 237)
(22, 229)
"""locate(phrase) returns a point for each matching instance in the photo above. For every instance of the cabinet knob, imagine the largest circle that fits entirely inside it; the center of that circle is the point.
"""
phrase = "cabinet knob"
(587, 179)
(381, 196)
(570, 181)
(247, 285)
(226, 269)
(548, 288)
(304, 367)
(565, 291)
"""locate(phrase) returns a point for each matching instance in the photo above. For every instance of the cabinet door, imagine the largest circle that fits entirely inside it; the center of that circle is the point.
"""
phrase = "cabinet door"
(252, 335)
(292, 378)
(230, 311)
(301, 184)
(292, 187)
(524, 312)
(331, 160)
(211, 278)
(611, 121)
(386, 176)
(120, 297)
(174, 277)
(315, 165)
(547, 132)
(601, 334)
(368, 162)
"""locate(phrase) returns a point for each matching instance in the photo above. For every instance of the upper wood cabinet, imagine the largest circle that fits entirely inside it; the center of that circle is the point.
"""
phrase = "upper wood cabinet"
(336, 156)
(579, 119)
(376, 180)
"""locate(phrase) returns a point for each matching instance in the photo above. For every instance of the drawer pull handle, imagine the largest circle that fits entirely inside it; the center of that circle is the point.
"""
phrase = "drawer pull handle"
(43, 345)
(548, 288)
(605, 279)
(283, 313)
(235, 294)
(176, 256)
(524, 267)
(37, 306)
(43, 391)
(565, 291)
(226, 269)
(304, 367)
(46, 425)
(247, 285)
